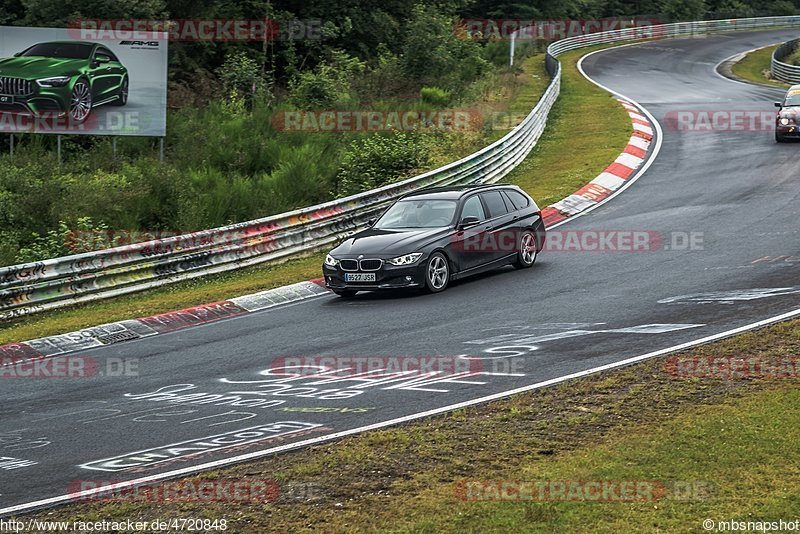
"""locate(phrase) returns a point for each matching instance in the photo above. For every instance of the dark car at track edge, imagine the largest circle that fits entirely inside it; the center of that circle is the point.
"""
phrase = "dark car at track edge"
(787, 121)
(430, 237)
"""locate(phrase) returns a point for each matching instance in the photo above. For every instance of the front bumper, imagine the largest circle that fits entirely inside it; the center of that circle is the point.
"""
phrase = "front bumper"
(43, 103)
(387, 277)
(791, 130)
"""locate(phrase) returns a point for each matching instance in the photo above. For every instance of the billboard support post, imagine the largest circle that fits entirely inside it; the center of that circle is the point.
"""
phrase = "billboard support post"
(161, 149)
(114, 147)
(58, 138)
(11, 144)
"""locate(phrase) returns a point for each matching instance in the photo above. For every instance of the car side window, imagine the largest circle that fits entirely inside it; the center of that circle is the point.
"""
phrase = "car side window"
(518, 200)
(495, 203)
(473, 208)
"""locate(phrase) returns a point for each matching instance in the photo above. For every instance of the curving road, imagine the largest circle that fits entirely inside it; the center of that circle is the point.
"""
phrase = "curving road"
(733, 192)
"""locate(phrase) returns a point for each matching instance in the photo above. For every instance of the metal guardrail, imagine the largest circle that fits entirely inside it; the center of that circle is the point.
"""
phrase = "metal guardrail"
(784, 71)
(48, 284)
(38, 286)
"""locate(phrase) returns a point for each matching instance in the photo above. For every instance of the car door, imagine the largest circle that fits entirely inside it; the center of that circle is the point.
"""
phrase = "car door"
(117, 71)
(468, 246)
(502, 235)
(105, 75)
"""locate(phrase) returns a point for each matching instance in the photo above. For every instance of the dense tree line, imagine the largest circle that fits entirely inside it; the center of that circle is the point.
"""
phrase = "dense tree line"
(371, 31)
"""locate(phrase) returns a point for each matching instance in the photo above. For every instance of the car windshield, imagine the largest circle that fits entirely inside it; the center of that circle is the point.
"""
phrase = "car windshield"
(792, 98)
(418, 214)
(60, 50)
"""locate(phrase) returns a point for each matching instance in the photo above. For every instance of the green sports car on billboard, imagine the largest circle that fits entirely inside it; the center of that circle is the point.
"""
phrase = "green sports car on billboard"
(66, 78)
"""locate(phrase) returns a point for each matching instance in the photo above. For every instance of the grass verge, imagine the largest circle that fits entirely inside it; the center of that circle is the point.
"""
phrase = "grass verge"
(734, 439)
(546, 174)
(755, 67)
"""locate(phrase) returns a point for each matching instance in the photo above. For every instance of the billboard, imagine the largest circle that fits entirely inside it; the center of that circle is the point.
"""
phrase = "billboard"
(53, 80)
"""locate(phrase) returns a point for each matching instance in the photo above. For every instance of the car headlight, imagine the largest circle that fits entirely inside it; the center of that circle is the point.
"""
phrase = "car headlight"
(408, 259)
(784, 121)
(330, 261)
(55, 81)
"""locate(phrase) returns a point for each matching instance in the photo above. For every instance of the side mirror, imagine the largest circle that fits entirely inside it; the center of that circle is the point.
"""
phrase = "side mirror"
(466, 222)
(18, 54)
(371, 222)
(778, 105)
(102, 60)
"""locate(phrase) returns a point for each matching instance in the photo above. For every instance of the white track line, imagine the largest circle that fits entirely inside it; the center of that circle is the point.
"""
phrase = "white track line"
(321, 439)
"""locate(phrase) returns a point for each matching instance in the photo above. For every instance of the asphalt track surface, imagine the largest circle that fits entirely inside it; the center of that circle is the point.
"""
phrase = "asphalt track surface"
(736, 191)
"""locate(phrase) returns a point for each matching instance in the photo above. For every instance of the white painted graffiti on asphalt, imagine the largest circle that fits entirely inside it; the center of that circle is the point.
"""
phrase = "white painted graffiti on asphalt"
(732, 296)
(284, 381)
(92, 415)
(7, 463)
(22, 440)
(525, 339)
(195, 447)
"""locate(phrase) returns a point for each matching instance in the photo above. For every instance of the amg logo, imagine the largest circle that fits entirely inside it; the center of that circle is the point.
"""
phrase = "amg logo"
(139, 43)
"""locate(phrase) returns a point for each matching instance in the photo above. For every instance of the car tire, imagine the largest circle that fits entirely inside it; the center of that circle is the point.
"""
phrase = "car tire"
(345, 293)
(122, 96)
(80, 105)
(526, 250)
(437, 273)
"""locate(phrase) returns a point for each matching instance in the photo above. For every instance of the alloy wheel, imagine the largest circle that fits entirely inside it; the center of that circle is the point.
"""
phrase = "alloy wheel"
(438, 272)
(528, 249)
(81, 103)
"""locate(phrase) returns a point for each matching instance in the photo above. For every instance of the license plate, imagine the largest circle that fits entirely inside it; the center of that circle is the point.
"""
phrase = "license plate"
(359, 277)
(6, 99)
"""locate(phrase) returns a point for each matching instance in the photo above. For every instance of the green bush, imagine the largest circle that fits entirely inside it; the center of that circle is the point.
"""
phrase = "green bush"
(435, 96)
(435, 55)
(84, 237)
(241, 78)
(793, 58)
(9, 247)
(328, 85)
(385, 78)
(377, 160)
